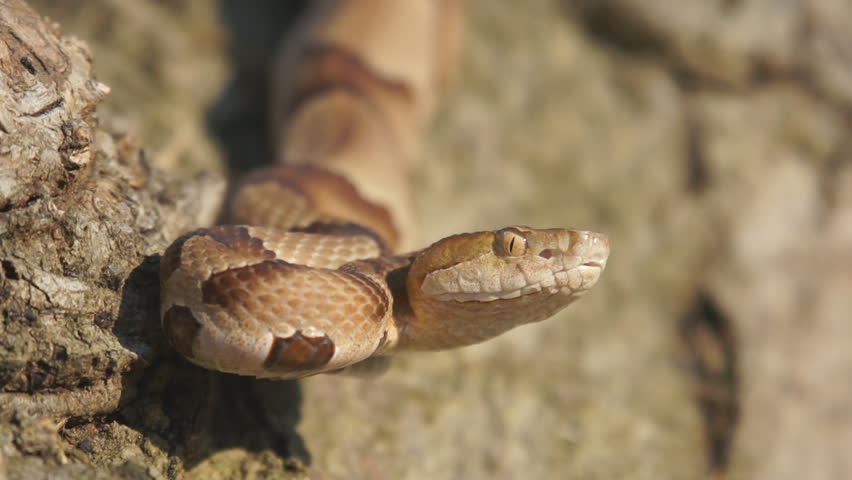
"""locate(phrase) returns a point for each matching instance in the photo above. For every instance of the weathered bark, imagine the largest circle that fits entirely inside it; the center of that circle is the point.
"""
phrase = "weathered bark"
(83, 216)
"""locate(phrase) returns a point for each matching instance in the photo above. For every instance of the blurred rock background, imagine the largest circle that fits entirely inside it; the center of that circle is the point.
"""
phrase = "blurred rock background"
(710, 139)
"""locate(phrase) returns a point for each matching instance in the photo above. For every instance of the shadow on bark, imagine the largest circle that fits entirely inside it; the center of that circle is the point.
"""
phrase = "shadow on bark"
(191, 412)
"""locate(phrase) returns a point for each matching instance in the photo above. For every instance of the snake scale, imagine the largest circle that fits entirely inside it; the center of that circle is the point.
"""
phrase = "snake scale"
(307, 279)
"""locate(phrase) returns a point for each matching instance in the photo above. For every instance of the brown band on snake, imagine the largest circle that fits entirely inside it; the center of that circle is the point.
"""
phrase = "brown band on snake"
(323, 192)
(330, 70)
(240, 239)
(334, 66)
(381, 301)
(234, 286)
(233, 238)
(182, 328)
(299, 353)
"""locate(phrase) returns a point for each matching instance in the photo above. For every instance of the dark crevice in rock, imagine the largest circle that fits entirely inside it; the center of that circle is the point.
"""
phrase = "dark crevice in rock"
(9, 270)
(697, 172)
(47, 108)
(710, 341)
(25, 61)
(616, 26)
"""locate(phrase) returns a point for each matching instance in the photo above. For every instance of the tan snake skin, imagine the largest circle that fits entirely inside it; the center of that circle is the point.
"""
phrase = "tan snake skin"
(313, 286)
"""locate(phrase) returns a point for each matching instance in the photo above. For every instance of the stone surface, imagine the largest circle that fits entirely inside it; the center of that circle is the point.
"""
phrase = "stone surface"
(710, 139)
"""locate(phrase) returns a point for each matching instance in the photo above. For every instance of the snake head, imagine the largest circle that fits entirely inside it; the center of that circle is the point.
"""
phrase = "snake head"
(512, 263)
(468, 288)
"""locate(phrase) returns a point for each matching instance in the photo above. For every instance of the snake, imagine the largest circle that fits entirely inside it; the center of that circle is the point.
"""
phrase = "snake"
(305, 277)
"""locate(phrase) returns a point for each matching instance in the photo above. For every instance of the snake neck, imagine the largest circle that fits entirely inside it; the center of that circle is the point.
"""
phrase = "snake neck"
(420, 323)
(425, 323)
(392, 271)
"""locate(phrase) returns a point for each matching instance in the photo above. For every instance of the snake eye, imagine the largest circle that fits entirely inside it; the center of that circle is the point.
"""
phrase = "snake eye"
(513, 243)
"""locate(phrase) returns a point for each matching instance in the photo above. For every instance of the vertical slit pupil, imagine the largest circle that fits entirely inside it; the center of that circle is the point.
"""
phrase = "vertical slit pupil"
(511, 244)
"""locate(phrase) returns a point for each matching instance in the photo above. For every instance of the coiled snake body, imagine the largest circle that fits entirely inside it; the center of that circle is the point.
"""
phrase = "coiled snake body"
(307, 283)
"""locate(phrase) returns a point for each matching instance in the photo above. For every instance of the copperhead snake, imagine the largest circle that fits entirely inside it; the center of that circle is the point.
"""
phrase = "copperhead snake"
(307, 280)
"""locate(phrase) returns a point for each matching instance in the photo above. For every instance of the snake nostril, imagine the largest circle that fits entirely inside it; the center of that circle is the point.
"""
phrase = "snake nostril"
(547, 253)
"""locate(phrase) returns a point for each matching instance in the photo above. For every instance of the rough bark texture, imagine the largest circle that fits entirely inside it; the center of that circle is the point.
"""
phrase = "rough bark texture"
(711, 139)
(82, 219)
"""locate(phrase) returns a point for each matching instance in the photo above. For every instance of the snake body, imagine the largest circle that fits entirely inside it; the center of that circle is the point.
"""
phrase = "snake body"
(306, 280)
